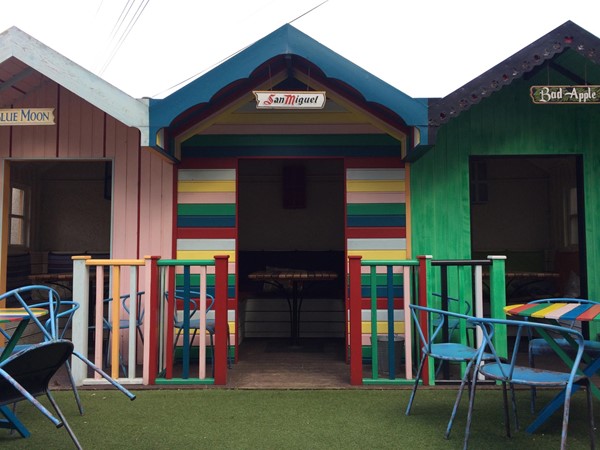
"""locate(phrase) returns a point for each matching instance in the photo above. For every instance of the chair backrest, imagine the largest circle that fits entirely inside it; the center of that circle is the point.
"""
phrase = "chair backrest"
(524, 329)
(19, 296)
(194, 298)
(139, 308)
(32, 368)
(430, 322)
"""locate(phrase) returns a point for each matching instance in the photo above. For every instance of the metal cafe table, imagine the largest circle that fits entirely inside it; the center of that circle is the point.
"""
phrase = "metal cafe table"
(282, 279)
(553, 313)
(22, 316)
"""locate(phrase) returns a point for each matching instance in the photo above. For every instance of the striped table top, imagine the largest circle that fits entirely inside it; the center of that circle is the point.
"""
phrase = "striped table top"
(16, 314)
(585, 312)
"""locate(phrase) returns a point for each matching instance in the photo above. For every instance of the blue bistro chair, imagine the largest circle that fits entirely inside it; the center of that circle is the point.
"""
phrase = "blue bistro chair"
(539, 346)
(194, 320)
(25, 375)
(56, 327)
(435, 347)
(123, 323)
(510, 373)
(51, 328)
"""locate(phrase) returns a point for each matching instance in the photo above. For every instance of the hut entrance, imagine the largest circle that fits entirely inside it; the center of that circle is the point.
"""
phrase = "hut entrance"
(531, 210)
(291, 219)
(58, 209)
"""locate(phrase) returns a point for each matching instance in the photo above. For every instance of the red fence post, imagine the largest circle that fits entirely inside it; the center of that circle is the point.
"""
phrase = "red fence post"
(355, 321)
(151, 322)
(221, 288)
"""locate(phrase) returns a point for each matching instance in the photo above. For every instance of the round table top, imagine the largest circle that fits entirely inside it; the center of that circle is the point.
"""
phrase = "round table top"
(586, 312)
(17, 314)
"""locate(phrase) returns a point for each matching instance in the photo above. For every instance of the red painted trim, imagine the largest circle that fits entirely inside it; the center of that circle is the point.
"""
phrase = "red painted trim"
(374, 163)
(381, 303)
(153, 320)
(355, 322)
(208, 163)
(221, 263)
(375, 232)
(206, 233)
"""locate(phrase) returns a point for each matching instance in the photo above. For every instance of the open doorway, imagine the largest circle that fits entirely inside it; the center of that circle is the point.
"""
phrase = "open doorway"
(291, 216)
(530, 209)
(57, 209)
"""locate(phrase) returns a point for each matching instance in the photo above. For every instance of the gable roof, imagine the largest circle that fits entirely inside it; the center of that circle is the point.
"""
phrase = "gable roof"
(567, 36)
(286, 40)
(17, 44)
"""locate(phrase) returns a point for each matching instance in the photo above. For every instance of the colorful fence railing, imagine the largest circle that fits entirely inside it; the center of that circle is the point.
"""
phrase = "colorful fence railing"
(189, 278)
(108, 318)
(427, 282)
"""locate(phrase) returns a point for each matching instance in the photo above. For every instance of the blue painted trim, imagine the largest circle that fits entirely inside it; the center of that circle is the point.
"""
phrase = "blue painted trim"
(355, 152)
(376, 221)
(285, 41)
(206, 221)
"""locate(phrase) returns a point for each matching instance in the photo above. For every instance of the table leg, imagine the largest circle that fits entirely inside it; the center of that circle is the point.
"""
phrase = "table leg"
(12, 342)
(559, 400)
(12, 422)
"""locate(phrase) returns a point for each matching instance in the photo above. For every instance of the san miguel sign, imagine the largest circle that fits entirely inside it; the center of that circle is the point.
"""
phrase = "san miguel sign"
(290, 99)
(565, 94)
(27, 116)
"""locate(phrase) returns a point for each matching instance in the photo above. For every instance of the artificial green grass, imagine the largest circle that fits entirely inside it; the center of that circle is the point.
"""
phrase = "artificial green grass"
(290, 419)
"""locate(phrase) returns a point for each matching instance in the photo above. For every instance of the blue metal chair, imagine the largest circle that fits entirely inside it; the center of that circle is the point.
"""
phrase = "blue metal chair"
(509, 372)
(124, 323)
(56, 327)
(540, 347)
(430, 332)
(25, 375)
(50, 329)
(194, 319)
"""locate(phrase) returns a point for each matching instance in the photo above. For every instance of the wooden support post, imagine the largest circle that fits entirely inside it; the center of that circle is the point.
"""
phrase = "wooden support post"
(151, 311)
(356, 377)
(424, 292)
(498, 301)
(220, 356)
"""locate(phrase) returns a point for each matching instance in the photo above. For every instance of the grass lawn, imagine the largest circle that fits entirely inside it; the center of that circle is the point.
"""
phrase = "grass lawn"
(290, 419)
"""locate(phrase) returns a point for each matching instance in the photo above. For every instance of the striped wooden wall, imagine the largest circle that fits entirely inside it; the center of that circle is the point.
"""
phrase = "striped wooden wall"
(206, 219)
(376, 230)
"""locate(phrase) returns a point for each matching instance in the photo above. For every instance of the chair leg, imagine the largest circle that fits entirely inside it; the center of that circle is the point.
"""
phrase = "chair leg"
(416, 385)
(565, 422)
(505, 405)
(74, 388)
(533, 389)
(63, 420)
(514, 406)
(463, 382)
(471, 405)
(590, 405)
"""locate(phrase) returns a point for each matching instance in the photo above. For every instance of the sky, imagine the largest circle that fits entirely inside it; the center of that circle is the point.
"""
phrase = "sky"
(424, 48)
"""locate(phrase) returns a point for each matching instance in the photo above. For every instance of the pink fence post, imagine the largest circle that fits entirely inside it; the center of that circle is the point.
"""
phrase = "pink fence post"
(220, 356)
(356, 367)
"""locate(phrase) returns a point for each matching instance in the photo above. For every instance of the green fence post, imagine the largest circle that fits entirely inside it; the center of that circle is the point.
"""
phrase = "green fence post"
(498, 301)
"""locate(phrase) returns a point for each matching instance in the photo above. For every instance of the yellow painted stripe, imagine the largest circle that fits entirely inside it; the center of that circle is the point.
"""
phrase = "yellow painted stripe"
(206, 186)
(382, 327)
(205, 254)
(370, 255)
(115, 262)
(543, 312)
(375, 185)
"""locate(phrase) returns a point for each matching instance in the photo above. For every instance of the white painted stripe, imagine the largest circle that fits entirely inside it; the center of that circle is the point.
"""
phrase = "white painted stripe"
(206, 175)
(375, 174)
(377, 244)
(205, 244)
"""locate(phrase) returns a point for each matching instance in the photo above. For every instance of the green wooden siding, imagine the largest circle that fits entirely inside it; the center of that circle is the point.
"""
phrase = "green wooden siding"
(506, 124)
